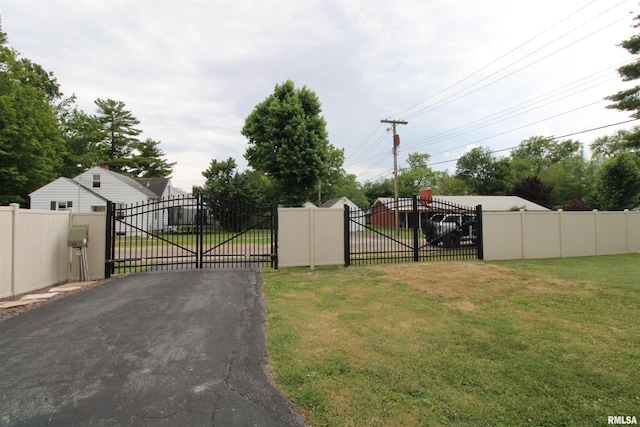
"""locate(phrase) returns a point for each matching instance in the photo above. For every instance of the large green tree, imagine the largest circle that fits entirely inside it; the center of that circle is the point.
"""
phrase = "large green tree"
(416, 175)
(483, 173)
(629, 99)
(288, 141)
(379, 188)
(83, 135)
(618, 183)
(119, 146)
(147, 160)
(120, 132)
(533, 189)
(224, 182)
(347, 186)
(623, 140)
(31, 143)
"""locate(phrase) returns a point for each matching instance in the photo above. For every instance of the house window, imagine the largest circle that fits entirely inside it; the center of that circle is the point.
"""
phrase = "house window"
(98, 208)
(120, 210)
(96, 181)
(61, 206)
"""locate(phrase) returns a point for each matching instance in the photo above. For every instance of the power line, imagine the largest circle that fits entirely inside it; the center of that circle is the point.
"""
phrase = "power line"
(551, 139)
(501, 116)
(441, 103)
(494, 61)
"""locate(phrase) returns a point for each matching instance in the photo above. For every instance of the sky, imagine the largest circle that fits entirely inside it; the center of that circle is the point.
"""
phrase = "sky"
(463, 74)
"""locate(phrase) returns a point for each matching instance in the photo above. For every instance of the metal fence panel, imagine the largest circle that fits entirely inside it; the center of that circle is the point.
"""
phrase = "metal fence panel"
(413, 229)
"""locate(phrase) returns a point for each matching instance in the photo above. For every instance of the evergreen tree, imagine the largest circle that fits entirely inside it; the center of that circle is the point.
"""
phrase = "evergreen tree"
(147, 160)
(629, 99)
(119, 133)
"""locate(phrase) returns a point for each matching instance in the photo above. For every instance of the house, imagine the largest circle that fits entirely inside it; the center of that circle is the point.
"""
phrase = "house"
(90, 191)
(65, 193)
(355, 213)
(383, 212)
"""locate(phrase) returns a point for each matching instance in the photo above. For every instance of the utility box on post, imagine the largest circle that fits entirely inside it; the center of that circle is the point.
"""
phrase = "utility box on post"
(77, 237)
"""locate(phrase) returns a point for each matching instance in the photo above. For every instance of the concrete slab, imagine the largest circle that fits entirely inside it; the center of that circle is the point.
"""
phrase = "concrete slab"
(39, 296)
(76, 284)
(65, 288)
(11, 304)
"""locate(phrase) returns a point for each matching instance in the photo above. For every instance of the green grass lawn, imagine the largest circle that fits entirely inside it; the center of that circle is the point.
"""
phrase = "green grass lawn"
(514, 343)
(253, 236)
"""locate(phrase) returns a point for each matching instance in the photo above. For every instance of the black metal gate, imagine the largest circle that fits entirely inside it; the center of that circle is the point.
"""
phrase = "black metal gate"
(412, 229)
(190, 232)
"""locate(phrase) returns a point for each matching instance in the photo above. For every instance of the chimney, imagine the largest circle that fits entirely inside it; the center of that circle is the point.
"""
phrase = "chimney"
(426, 196)
(105, 167)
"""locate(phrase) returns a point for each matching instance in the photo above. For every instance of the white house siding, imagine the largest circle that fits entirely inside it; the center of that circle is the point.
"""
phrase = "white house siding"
(171, 197)
(65, 190)
(123, 192)
(113, 188)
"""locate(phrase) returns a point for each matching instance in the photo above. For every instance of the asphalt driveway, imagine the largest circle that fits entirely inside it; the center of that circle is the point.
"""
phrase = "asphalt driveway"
(165, 348)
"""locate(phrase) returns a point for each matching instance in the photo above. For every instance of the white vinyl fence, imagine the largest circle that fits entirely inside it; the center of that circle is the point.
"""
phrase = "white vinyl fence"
(310, 237)
(34, 252)
(528, 235)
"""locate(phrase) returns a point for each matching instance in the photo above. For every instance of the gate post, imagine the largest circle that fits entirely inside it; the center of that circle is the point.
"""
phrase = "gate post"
(416, 220)
(479, 236)
(109, 244)
(199, 229)
(274, 236)
(347, 237)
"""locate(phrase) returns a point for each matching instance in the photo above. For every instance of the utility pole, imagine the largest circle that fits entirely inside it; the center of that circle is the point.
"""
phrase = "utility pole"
(396, 142)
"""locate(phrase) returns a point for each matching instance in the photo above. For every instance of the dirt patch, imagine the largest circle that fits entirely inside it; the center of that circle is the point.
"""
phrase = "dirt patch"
(455, 279)
(7, 313)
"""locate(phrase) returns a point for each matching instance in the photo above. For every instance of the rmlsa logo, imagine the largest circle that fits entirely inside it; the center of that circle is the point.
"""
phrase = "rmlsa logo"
(619, 419)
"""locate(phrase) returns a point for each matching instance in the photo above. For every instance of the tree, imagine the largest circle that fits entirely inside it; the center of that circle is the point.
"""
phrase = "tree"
(31, 143)
(147, 160)
(83, 134)
(484, 174)
(120, 133)
(570, 179)
(417, 176)
(533, 189)
(119, 146)
(537, 153)
(234, 197)
(449, 185)
(329, 184)
(618, 183)
(347, 186)
(289, 142)
(223, 182)
(611, 145)
(629, 99)
(381, 188)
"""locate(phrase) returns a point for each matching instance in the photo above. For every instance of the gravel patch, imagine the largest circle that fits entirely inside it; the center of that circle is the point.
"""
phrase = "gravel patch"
(7, 313)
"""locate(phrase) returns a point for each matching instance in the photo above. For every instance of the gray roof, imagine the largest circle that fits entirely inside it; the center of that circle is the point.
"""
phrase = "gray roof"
(156, 185)
(489, 203)
(330, 203)
(132, 183)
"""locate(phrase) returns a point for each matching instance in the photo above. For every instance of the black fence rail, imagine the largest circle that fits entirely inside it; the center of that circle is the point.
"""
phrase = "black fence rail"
(190, 232)
(412, 229)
